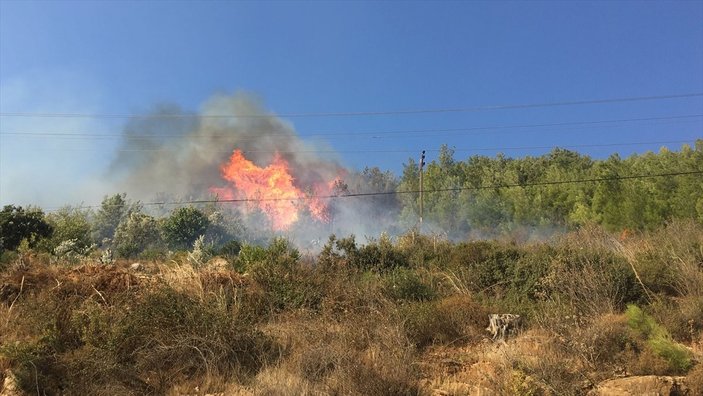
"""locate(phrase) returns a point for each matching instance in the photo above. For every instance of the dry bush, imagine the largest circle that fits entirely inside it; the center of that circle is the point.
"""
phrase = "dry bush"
(349, 294)
(694, 380)
(548, 362)
(603, 343)
(590, 237)
(354, 354)
(453, 319)
(644, 361)
(670, 259)
(277, 381)
(682, 316)
(592, 283)
(101, 330)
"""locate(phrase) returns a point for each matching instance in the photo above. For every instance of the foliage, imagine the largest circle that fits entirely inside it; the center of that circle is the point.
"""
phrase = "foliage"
(230, 248)
(17, 223)
(201, 252)
(403, 284)
(224, 226)
(658, 339)
(407, 316)
(183, 227)
(136, 233)
(380, 255)
(287, 282)
(634, 204)
(71, 227)
(113, 210)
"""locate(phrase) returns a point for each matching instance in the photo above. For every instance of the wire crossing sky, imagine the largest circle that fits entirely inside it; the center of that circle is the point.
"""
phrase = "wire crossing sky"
(361, 83)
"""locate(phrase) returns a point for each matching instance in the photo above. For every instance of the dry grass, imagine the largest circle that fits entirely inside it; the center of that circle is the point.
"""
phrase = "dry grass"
(296, 327)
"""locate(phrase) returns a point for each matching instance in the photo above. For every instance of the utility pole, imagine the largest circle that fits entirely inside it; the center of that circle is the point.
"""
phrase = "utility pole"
(422, 165)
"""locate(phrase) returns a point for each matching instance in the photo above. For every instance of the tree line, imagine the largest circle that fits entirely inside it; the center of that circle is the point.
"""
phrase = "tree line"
(461, 197)
(617, 204)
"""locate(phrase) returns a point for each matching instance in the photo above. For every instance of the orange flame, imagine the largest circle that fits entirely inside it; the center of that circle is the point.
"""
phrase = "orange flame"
(272, 189)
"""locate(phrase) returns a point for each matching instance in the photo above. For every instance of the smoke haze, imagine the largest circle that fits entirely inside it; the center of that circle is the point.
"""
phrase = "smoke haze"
(181, 154)
(173, 154)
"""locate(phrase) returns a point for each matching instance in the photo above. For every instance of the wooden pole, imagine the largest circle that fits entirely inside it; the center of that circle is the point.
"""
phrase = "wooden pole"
(422, 165)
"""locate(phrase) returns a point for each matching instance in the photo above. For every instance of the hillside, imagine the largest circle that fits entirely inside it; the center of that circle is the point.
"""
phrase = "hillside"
(403, 315)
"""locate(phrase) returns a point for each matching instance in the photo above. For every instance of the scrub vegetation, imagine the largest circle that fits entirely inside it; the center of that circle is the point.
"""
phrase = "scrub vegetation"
(123, 299)
(404, 315)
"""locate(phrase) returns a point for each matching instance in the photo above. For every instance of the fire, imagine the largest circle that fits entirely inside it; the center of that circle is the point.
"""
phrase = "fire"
(272, 189)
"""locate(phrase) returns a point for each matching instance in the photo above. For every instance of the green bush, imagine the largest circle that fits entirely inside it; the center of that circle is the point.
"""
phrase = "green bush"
(484, 265)
(113, 210)
(287, 283)
(403, 284)
(425, 250)
(183, 227)
(136, 233)
(230, 248)
(381, 255)
(70, 224)
(17, 224)
(659, 340)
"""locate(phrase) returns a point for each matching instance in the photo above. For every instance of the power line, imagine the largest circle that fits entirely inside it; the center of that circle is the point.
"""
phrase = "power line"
(360, 113)
(506, 148)
(451, 189)
(432, 131)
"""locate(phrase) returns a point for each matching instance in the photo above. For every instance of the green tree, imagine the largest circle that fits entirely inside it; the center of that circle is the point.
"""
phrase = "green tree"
(135, 234)
(183, 227)
(17, 224)
(113, 210)
(69, 224)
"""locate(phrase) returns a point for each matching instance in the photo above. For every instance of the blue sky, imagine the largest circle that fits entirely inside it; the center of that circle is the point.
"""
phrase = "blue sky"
(312, 57)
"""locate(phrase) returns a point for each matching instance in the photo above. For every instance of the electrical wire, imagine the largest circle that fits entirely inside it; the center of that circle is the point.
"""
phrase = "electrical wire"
(401, 150)
(360, 113)
(428, 131)
(451, 189)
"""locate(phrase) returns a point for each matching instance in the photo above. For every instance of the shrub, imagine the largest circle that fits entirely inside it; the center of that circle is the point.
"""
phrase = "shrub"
(527, 277)
(681, 316)
(487, 264)
(113, 210)
(183, 227)
(605, 340)
(595, 282)
(425, 250)
(455, 318)
(286, 282)
(17, 224)
(70, 224)
(230, 248)
(659, 340)
(201, 252)
(379, 255)
(173, 334)
(134, 234)
(403, 284)
(694, 380)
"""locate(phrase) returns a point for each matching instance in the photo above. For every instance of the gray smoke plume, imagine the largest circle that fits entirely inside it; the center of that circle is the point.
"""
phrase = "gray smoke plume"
(179, 154)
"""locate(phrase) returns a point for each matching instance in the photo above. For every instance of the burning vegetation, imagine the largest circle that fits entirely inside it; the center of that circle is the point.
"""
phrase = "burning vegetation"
(273, 190)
